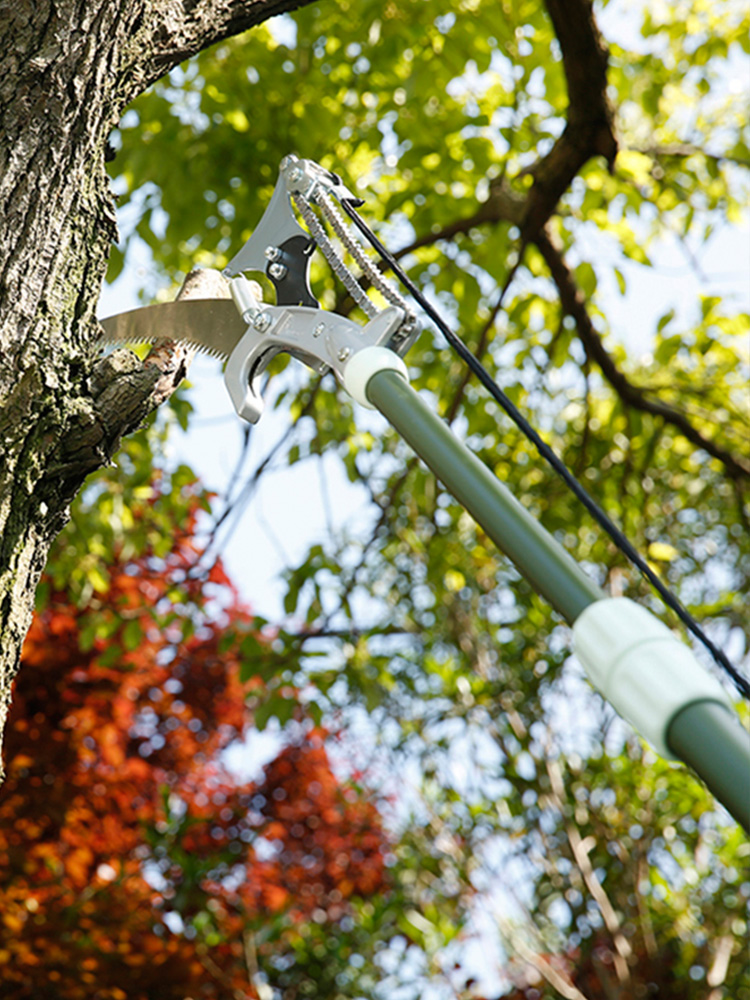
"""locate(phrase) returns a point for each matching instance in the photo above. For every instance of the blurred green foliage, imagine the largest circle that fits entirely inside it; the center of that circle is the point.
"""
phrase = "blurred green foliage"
(426, 109)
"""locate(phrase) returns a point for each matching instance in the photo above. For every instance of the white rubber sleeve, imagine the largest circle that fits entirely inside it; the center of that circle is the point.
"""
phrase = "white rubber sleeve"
(646, 673)
(366, 363)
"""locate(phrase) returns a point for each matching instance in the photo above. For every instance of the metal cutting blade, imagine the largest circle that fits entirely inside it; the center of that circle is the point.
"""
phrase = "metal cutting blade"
(211, 325)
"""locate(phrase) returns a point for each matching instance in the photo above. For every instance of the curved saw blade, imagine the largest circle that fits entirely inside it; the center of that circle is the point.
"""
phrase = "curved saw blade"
(211, 325)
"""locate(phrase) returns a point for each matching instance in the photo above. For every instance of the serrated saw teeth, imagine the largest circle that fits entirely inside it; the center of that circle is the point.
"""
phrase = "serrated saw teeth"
(210, 325)
(210, 352)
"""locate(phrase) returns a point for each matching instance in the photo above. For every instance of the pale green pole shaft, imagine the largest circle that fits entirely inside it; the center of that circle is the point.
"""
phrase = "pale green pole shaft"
(542, 560)
(711, 740)
(704, 734)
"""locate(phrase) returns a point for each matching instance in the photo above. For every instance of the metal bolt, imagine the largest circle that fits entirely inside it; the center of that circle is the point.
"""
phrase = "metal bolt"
(277, 271)
(262, 322)
(272, 253)
(319, 329)
(344, 353)
(296, 174)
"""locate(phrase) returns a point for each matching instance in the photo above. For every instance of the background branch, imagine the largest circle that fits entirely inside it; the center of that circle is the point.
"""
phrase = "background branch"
(574, 305)
(589, 130)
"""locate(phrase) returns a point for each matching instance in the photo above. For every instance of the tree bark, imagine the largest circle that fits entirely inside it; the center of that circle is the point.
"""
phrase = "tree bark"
(69, 68)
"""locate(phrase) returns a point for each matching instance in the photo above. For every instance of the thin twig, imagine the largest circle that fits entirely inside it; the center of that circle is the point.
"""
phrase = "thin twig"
(484, 333)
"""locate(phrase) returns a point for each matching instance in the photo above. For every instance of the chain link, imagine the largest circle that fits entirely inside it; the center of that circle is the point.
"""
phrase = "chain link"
(339, 226)
(339, 267)
(354, 248)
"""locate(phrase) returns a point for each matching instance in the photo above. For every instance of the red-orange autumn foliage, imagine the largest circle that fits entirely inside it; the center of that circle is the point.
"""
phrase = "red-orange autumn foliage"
(117, 811)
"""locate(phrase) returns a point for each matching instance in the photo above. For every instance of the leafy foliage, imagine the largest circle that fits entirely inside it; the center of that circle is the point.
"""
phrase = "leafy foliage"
(132, 862)
(609, 873)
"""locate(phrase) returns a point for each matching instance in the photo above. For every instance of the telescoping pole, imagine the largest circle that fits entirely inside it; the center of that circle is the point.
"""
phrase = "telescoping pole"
(632, 658)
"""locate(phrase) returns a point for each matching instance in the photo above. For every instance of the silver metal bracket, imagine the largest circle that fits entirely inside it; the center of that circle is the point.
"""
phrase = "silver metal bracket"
(296, 325)
(322, 340)
(280, 247)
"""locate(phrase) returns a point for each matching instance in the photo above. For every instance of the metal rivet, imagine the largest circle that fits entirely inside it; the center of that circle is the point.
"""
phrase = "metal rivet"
(262, 322)
(277, 271)
(296, 175)
(272, 253)
(344, 353)
(319, 329)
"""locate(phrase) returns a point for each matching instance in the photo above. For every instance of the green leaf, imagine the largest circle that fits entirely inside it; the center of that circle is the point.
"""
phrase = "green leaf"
(132, 635)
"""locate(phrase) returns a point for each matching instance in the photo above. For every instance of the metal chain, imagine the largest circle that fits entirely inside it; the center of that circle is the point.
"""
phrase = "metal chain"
(339, 267)
(369, 268)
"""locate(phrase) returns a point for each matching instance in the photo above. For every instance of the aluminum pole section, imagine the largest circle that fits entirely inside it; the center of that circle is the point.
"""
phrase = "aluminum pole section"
(708, 738)
(539, 557)
(687, 717)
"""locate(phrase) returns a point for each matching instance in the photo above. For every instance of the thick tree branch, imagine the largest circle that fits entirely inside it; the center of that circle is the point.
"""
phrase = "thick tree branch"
(505, 206)
(589, 130)
(179, 29)
(574, 305)
(124, 390)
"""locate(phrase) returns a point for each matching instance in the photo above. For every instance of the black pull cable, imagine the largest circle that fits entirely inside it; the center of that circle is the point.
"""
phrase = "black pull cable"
(617, 536)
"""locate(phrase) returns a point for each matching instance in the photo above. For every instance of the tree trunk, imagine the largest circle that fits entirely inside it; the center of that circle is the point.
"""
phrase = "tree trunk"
(68, 69)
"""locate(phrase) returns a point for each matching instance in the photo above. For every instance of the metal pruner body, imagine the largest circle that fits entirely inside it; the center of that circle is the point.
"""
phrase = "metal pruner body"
(281, 249)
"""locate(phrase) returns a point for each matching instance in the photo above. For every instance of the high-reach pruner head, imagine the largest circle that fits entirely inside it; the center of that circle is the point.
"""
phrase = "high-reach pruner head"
(281, 249)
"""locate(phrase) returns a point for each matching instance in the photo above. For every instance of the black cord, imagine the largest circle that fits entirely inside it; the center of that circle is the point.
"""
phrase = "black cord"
(620, 540)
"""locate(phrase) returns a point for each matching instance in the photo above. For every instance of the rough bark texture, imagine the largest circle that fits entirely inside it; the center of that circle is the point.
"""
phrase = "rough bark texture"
(68, 69)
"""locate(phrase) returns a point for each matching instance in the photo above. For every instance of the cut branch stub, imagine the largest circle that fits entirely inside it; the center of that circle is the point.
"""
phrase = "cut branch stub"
(123, 391)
